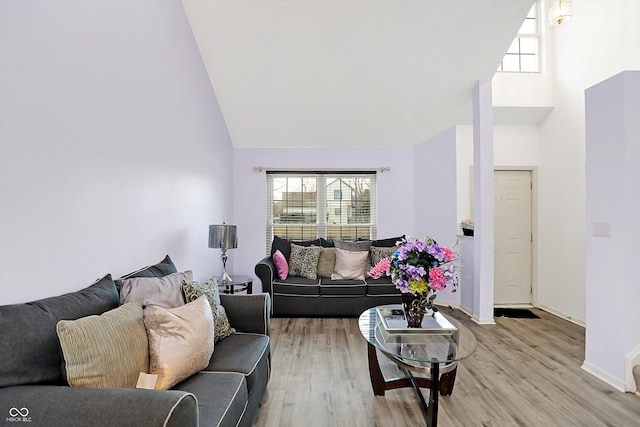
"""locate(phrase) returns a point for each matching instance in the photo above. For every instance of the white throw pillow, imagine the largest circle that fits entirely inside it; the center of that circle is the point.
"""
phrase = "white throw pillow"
(180, 341)
(350, 265)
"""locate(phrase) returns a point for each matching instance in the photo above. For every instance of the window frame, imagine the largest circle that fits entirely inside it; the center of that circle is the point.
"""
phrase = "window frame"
(536, 36)
(324, 202)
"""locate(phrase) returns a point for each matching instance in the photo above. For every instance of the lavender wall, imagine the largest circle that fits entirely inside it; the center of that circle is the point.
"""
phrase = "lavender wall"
(436, 194)
(402, 191)
(109, 135)
(613, 194)
(395, 191)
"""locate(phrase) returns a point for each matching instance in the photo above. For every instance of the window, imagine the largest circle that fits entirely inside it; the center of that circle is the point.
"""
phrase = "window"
(523, 55)
(305, 206)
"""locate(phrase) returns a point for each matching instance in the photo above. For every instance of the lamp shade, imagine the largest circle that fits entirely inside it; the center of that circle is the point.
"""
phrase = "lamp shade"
(223, 236)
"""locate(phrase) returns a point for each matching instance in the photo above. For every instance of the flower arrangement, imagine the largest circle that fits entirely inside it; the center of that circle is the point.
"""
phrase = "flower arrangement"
(419, 267)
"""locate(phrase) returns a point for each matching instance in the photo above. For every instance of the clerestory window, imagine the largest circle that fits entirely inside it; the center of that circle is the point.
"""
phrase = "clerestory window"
(523, 56)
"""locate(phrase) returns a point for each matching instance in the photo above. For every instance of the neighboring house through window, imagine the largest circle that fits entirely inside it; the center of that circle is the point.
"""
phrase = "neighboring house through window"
(305, 206)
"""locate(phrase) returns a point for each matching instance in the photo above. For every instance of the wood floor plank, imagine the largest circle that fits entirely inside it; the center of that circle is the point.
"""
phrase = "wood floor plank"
(525, 372)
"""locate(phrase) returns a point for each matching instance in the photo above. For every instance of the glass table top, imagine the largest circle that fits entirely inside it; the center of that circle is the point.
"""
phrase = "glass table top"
(415, 346)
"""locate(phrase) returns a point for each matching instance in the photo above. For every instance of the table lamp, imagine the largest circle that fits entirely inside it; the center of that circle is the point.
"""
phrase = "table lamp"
(223, 236)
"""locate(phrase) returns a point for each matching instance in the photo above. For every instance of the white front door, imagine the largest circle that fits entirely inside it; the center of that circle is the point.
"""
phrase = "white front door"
(513, 237)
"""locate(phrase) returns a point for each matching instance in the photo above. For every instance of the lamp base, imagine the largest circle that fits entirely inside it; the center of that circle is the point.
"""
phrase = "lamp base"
(225, 279)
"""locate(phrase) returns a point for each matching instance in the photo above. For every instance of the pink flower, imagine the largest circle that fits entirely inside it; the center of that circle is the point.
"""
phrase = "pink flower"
(437, 280)
(449, 255)
(383, 267)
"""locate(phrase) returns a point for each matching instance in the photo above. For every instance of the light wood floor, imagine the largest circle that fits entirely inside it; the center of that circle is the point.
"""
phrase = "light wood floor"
(525, 372)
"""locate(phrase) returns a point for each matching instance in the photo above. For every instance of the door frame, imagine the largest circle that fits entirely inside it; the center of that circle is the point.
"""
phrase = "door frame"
(534, 222)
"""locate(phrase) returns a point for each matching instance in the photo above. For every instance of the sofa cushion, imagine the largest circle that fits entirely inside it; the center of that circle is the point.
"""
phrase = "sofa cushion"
(326, 262)
(193, 290)
(163, 292)
(296, 286)
(29, 346)
(330, 287)
(246, 354)
(105, 351)
(304, 261)
(222, 397)
(350, 265)
(163, 268)
(180, 341)
(284, 245)
(391, 241)
(381, 286)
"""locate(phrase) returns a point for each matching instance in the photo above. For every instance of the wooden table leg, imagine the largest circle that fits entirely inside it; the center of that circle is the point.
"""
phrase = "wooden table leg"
(375, 373)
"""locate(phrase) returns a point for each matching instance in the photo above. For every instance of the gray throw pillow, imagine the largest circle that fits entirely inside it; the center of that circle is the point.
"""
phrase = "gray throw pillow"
(362, 246)
(160, 291)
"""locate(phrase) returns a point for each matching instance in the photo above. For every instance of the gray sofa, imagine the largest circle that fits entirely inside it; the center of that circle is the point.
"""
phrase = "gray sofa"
(32, 386)
(323, 296)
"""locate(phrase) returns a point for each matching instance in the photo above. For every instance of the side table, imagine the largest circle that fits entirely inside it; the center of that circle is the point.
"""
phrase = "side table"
(238, 284)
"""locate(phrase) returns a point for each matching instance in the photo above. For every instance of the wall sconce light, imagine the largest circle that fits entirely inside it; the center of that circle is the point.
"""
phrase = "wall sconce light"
(223, 237)
(559, 12)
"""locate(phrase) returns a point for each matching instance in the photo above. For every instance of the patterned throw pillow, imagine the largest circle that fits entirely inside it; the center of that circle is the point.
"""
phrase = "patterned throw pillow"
(378, 253)
(194, 289)
(180, 341)
(304, 261)
(106, 351)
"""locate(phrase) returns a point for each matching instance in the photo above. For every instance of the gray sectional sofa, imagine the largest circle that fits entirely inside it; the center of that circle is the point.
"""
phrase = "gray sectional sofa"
(33, 389)
(325, 295)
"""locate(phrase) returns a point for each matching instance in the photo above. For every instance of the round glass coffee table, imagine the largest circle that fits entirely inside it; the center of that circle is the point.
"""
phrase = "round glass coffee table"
(433, 351)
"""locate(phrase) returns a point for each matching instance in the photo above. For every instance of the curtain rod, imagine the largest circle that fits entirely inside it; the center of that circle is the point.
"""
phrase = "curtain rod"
(377, 168)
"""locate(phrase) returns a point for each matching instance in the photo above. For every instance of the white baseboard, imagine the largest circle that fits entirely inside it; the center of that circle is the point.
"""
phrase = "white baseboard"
(480, 321)
(565, 316)
(630, 360)
(614, 382)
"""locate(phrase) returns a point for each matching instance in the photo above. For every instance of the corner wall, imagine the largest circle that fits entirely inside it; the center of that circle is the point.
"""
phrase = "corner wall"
(436, 193)
(613, 232)
(110, 144)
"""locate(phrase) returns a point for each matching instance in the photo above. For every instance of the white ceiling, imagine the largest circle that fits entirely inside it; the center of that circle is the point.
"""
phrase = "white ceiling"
(374, 73)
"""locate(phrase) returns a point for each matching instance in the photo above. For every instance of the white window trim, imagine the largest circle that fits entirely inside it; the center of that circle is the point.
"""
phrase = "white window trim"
(321, 201)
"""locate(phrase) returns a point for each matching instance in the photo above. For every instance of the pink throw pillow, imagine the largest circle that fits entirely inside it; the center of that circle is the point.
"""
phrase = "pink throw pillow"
(281, 264)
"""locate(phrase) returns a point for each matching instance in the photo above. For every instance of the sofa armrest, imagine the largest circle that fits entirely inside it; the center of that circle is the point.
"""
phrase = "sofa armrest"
(79, 406)
(248, 313)
(266, 272)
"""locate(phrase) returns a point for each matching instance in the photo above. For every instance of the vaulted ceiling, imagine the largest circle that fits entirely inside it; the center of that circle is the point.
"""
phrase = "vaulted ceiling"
(360, 73)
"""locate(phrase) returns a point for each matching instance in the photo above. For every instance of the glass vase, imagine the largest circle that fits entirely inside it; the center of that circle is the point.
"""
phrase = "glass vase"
(413, 306)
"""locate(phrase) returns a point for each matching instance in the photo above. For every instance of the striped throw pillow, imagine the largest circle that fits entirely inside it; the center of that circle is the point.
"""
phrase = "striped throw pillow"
(106, 351)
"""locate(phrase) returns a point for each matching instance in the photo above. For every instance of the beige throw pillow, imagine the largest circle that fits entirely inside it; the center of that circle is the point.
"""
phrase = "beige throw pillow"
(161, 291)
(326, 262)
(106, 351)
(180, 341)
(350, 265)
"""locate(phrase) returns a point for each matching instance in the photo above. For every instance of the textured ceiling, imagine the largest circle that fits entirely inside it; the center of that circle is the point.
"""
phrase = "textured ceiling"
(367, 73)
